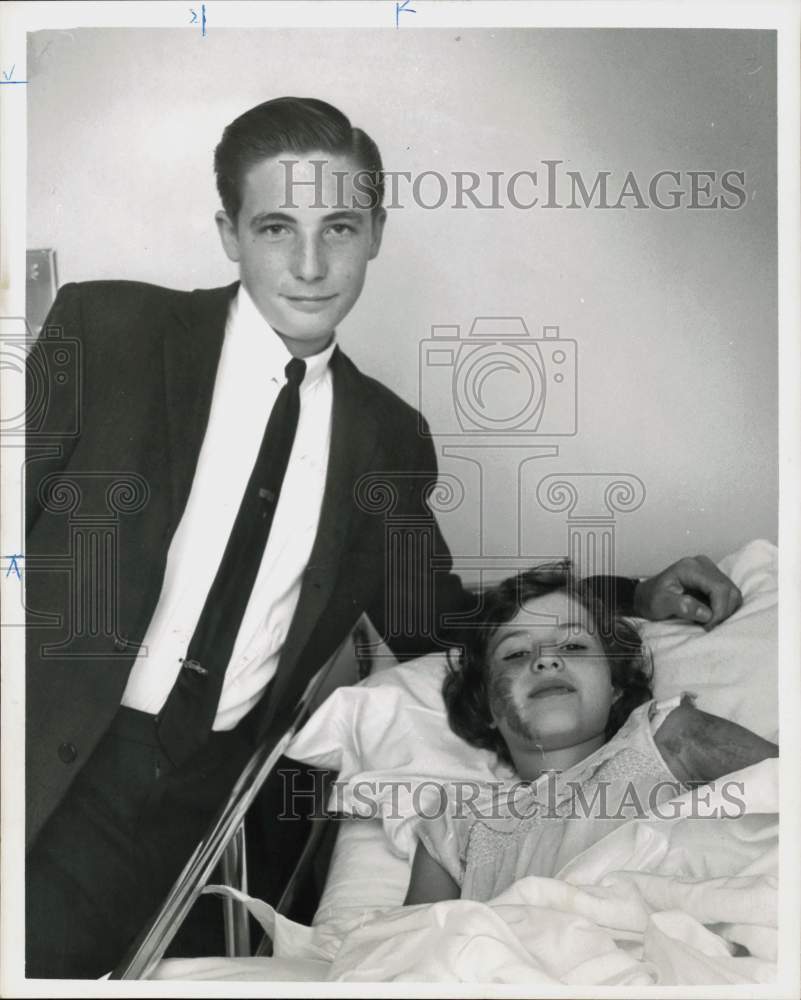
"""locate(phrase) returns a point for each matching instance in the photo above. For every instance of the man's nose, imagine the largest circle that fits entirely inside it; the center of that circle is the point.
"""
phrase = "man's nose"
(309, 261)
(547, 662)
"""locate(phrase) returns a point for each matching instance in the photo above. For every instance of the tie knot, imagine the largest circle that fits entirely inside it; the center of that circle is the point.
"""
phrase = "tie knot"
(295, 371)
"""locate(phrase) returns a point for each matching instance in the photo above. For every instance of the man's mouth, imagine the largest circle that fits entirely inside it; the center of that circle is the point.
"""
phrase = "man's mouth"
(552, 690)
(309, 303)
(310, 298)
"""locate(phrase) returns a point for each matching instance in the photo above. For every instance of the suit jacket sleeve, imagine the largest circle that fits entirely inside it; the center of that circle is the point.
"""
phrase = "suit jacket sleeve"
(54, 402)
(419, 607)
(616, 592)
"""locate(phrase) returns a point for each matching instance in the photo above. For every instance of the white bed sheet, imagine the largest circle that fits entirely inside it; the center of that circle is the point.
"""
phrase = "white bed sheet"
(660, 901)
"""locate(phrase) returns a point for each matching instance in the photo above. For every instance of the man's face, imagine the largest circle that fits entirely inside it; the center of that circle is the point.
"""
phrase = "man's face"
(303, 266)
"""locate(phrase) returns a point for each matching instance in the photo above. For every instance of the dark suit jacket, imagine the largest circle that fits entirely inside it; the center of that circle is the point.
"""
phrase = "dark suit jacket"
(120, 388)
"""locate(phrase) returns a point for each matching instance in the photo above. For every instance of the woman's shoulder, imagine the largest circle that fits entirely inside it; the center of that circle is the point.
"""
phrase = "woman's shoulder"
(446, 834)
(632, 755)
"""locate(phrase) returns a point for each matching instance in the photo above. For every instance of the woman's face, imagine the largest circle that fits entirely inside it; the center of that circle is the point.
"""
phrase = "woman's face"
(550, 685)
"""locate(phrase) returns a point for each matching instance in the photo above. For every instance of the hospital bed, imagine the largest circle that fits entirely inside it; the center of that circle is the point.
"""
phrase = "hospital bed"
(388, 732)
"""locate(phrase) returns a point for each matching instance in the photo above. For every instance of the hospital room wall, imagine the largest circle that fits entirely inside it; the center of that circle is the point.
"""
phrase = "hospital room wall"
(673, 312)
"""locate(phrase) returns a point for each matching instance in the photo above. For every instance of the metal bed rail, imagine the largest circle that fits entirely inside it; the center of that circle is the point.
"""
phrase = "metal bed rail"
(223, 842)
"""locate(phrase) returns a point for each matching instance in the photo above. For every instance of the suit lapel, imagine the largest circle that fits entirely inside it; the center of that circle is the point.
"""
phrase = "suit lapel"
(354, 439)
(192, 349)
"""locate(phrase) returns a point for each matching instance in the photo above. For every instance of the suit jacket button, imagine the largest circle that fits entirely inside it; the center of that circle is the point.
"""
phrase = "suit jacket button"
(67, 752)
(120, 643)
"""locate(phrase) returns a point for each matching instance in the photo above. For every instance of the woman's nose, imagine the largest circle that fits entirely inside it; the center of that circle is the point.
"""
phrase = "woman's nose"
(548, 661)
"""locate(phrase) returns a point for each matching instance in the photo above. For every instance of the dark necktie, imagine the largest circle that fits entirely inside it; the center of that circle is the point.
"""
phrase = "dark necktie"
(185, 721)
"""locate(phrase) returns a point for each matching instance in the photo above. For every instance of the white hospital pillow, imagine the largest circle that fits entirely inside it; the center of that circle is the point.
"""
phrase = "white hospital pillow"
(734, 668)
(364, 878)
(390, 741)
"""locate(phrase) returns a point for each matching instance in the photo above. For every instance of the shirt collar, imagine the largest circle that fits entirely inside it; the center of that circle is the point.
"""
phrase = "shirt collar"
(246, 324)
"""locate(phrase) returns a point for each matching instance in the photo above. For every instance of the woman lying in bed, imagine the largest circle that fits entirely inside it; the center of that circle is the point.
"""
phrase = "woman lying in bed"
(561, 690)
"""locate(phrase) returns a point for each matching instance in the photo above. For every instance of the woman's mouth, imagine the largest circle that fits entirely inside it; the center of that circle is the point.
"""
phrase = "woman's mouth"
(552, 691)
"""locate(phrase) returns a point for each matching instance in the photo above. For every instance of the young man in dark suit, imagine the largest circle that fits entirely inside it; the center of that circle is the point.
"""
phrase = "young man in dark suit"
(201, 534)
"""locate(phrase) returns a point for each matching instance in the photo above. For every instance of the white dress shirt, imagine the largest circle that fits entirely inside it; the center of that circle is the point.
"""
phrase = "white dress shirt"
(249, 377)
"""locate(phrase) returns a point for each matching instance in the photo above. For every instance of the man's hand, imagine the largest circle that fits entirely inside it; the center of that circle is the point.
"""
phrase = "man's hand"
(697, 746)
(692, 588)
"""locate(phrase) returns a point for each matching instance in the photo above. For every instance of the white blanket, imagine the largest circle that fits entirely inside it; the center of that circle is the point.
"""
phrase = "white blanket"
(686, 900)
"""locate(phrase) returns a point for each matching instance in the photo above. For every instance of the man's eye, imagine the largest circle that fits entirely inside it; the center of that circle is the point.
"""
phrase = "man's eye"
(515, 654)
(274, 229)
(572, 647)
(341, 229)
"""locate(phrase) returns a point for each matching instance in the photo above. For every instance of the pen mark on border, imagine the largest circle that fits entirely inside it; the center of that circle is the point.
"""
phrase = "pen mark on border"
(202, 21)
(8, 74)
(402, 8)
(13, 564)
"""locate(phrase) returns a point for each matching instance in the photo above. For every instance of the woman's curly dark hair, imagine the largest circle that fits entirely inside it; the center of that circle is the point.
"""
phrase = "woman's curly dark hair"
(466, 688)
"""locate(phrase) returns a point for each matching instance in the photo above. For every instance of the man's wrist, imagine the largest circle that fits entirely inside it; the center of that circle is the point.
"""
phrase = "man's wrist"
(616, 592)
(637, 609)
(674, 739)
(700, 747)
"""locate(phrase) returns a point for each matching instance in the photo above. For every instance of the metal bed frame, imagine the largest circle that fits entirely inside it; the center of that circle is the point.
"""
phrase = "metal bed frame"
(223, 844)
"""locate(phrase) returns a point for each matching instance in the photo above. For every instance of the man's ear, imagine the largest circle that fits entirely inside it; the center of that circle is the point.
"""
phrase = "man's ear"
(228, 235)
(378, 218)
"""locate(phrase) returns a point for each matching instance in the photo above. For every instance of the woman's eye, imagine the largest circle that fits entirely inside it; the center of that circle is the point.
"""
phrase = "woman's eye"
(516, 654)
(573, 647)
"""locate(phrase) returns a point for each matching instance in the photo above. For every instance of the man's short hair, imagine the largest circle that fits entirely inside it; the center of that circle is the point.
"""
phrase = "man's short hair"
(298, 125)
